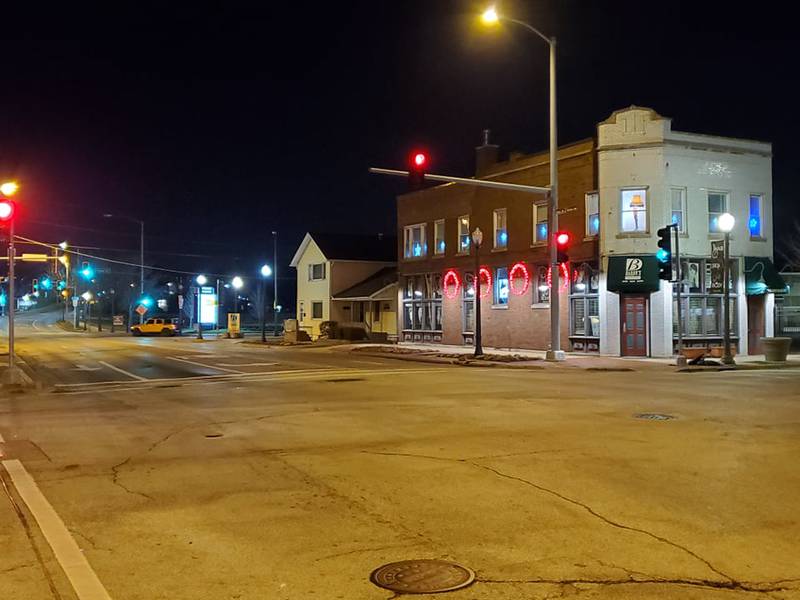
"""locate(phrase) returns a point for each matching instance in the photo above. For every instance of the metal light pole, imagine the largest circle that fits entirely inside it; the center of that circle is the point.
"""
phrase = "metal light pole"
(477, 238)
(12, 253)
(726, 223)
(266, 271)
(274, 283)
(490, 16)
(201, 281)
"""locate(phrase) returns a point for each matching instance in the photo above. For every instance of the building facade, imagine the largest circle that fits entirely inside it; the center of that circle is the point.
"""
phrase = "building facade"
(348, 279)
(616, 191)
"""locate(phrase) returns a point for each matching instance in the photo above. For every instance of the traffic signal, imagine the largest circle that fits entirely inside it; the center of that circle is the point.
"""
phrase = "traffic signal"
(417, 166)
(35, 285)
(7, 210)
(664, 253)
(87, 272)
(46, 283)
(563, 239)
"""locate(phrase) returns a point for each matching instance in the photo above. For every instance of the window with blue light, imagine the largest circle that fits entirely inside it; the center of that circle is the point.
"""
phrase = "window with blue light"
(500, 228)
(717, 204)
(592, 214)
(463, 234)
(415, 244)
(754, 217)
(501, 286)
(539, 223)
(678, 208)
(438, 237)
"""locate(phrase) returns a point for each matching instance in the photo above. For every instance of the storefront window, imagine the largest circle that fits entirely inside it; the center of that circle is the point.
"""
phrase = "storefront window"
(468, 295)
(701, 304)
(541, 291)
(584, 302)
(422, 303)
(501, 286)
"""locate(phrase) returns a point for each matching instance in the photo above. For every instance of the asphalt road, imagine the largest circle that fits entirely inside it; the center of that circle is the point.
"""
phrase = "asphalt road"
(295, 480)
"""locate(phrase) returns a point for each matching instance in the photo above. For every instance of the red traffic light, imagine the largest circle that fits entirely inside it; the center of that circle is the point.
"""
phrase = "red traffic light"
(419, 159)
(562, 238)
(7, 209)
(417, 165)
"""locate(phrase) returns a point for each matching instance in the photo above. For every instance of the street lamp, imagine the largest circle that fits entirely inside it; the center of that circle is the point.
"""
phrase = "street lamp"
(266, 271)
(491, 17)
(477, 239)
(201, 281)
(141, 249)
(726, 223)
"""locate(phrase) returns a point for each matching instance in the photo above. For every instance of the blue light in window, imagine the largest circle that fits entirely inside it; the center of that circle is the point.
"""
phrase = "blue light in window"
(674, 219)
(503, 237)
(595, 225)
(714, 223)
(754, 225)
(417, 250)
(543, 231)
(441, 246)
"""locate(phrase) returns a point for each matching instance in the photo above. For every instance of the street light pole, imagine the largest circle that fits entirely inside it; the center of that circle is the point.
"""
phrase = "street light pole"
(726, 223)
(477, 238)
(274, 283)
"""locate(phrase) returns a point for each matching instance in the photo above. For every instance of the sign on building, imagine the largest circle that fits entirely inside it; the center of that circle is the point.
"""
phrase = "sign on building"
(717, 283)
(118, 320)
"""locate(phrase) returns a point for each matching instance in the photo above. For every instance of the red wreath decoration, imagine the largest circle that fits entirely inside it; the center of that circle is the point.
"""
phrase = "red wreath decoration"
(519, 269)
(564, 275)
(451, 278)
(488, 275)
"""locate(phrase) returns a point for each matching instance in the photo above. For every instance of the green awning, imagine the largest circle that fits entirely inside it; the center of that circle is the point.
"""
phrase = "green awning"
(632, 274)
(761, 276)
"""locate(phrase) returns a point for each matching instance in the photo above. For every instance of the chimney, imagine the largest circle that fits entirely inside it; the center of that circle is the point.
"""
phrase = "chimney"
(485, 155)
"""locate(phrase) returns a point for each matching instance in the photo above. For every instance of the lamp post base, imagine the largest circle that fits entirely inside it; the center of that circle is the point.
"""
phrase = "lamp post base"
(728, 360)
(555, 355)
(681, 361)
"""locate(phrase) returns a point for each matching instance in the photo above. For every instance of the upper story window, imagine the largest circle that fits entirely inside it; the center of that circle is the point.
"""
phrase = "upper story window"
(539, 223)
(438, 237)
(592, 214)
(717, 204)
(678, 208)
(501, 286)
(415, 243)
(500, 228)
(755, 216)
(633, 208)
(463, 234)
(316, 272)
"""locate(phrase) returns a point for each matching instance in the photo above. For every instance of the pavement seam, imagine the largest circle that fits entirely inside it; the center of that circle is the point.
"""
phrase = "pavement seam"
(760, 588)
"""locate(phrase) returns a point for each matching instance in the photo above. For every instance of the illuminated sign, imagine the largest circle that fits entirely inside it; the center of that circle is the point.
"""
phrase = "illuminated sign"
(208, 309)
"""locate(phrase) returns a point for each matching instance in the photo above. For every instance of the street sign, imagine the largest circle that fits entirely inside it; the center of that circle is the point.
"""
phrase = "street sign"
(141, 309)
(233, 325)
(717, 283)
(34, 257)
(75, 300)
(118, 320)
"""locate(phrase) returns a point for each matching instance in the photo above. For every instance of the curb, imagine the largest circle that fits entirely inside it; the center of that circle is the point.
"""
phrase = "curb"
(449, 361)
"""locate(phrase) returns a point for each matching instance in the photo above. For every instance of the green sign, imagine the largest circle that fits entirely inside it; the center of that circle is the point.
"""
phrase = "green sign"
(633, 274)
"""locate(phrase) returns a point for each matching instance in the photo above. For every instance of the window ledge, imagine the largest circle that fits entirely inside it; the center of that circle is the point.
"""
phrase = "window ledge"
(414, 258)
(439, 255)
(499, 306)
(539, 245)
(590, 238)
(500, 249)
(462, 253)
(540, 305)
(633, 234)
(758, 239)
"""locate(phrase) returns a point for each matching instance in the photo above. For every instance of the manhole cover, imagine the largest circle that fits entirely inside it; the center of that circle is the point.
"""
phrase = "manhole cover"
(422, 576)
(653, 416)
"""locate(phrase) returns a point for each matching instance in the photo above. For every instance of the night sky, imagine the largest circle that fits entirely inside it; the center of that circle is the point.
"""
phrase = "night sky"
(217, 125)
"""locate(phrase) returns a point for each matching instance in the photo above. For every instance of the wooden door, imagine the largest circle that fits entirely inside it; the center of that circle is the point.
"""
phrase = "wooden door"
(634, 326)
(755, 323)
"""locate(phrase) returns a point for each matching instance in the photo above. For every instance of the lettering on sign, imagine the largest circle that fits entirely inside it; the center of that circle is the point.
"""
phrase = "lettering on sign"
(633, 270)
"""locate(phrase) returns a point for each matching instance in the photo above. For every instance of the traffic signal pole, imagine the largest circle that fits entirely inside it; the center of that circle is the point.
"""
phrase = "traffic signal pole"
(497, 185)
(681, 360)
(11, 301)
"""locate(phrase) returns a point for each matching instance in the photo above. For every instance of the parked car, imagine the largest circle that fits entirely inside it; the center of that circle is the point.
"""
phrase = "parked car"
(165, 327)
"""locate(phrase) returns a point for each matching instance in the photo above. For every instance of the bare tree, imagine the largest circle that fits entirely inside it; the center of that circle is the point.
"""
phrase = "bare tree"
(789, 248)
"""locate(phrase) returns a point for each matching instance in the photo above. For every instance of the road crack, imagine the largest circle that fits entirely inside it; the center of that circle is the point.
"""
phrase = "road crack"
(755, 587)
(115, 479)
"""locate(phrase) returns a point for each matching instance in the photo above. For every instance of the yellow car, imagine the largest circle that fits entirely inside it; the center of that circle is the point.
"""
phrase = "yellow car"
(165, 327)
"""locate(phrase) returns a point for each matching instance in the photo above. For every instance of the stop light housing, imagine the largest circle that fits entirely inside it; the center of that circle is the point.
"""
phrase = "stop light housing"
(563, 239)
(7, 210)
(417, 167)
(664, 253)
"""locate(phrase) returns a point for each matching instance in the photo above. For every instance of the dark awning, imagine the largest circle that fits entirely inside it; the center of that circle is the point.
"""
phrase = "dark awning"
(632, 274)
(761, 276)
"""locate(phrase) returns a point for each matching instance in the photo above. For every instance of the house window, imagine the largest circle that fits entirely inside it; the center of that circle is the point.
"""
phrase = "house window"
(468, 298)
(584, 302)
(539, 223)
(633, 207)
(500, 228)
(541, 293)
(302, 311)
(415, 242)
(755, 215)
(316, 272)
(678, 208)
(316, 310)
(438, 237)
(501, 286)
(422, 303)
(717, 204)
(592, 214)
(463, 234)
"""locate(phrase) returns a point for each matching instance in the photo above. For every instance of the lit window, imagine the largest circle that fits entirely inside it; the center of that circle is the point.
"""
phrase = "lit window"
(415, 243)
(541, 292)
(755, 215)
(501, 286)
(540, 223)
(500, 229)
(717, 204)
(592, 214)
(463, 234)
(678, 208)
(438, 237)
(634, 210)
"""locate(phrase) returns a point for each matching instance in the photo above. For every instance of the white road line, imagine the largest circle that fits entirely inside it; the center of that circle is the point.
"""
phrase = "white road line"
(84, 580)
(272, 364)
(2, 441)
(192, 362)
(123, 371)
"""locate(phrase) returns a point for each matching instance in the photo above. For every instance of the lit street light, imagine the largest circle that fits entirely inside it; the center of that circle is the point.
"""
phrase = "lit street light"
(725, 224)
(491, 17)
(266, 271)
(237, 283)
(477, 239)
(9, 188)
(201, 281)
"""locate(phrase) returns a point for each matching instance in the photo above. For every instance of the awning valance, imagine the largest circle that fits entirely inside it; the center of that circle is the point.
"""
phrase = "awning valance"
(761, 276)
(634, 274)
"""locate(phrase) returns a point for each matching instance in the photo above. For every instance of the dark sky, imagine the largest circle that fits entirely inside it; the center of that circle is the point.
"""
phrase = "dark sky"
(218, 123)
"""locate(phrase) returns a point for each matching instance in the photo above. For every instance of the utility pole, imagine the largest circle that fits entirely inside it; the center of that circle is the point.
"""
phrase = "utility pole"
(681, 360)
(275, 283)
(12, 254)
(477, 238)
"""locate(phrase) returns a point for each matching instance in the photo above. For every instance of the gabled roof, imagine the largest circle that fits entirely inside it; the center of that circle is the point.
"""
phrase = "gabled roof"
(371, 287)
(347, 246)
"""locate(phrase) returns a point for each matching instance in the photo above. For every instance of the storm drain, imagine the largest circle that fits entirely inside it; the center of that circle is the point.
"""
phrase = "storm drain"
(653, 416)
(423, 576)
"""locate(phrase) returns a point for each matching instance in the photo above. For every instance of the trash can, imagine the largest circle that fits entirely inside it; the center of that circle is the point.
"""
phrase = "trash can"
(776, 349)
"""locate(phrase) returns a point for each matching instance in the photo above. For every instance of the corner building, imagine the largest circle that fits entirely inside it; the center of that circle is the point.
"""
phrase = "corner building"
(615, 192)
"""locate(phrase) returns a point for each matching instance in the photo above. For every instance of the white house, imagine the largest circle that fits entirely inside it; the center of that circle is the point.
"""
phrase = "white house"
(650, 176)
(350, 279)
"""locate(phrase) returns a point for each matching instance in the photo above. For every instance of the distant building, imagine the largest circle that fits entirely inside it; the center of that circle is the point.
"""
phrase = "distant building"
(615, 192)
(349, 279)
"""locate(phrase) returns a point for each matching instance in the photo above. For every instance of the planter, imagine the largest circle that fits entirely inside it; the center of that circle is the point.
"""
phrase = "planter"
(776, 349)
